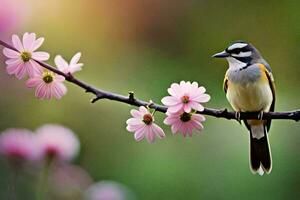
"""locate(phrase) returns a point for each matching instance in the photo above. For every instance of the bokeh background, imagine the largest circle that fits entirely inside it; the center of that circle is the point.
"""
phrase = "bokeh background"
(144, 46)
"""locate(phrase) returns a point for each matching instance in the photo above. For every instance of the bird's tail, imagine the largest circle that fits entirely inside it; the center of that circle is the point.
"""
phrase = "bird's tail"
(260, 152)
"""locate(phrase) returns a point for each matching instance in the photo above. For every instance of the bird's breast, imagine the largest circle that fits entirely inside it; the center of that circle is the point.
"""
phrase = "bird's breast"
(249, 92)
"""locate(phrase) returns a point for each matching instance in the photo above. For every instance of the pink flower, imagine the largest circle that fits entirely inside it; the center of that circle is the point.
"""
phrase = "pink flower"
(108, 190)
(57, 142)
(18, 144)
(48, 85)
(23, 62)
(186, 96)
(11, 15)
(184, 122)
(143, 125)
(63, 66)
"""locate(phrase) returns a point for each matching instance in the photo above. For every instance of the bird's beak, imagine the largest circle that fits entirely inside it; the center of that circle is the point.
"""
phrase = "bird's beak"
(222, 54)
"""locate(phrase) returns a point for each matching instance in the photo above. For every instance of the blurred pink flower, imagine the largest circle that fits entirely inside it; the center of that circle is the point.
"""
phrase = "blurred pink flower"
(57, 142)
(143, 125)
(12, 13)
(63, 66)
(67, 181)
(48, 85)
(18, 144)
(186, 96)
(23, 62)
(184, 122)
(108, 190)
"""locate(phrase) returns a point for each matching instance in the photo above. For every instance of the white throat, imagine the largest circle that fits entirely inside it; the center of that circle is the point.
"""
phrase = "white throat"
(235, 64)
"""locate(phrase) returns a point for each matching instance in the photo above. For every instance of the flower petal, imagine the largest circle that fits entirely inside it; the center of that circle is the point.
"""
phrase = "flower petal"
(28, 41)
(59, 78)
(170, 101)
(40, 91)
(33, 82)
(135, 113)
(33, 68)
(13, 61)
(143, 110)
(60, 63)
(133, 128)
(175, 127)
(37, 44)
(140, 134)
(75, 68)
(12, 69)
(11, 53)
(176, 108)
(187, 108)
(198, 125)
(203, 98)
(21, 72)
(17, 43)
(58, 90)
(198, 117)
(175, 90)
(75, 58)
(158, 131)
(134, 121)
(150, 136)
(171, 120)
(196, 106)
(40, 56)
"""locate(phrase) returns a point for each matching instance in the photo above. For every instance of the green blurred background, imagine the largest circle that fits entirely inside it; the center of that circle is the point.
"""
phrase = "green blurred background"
(144, 46)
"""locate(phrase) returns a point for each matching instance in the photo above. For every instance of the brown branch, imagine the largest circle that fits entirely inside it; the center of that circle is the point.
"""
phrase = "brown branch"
(131, 100)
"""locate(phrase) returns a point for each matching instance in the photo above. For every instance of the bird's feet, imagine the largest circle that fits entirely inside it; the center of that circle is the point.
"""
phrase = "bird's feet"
(260, 115)
(238, 116)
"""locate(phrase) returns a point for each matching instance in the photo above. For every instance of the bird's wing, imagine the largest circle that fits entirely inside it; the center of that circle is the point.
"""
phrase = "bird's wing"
(270, 77)
(225, 84)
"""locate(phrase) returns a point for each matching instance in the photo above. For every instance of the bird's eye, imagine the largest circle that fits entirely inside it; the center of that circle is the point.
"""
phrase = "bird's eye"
(235, 51)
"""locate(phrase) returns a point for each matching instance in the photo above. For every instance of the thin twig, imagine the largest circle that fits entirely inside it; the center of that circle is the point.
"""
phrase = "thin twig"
(131, 100)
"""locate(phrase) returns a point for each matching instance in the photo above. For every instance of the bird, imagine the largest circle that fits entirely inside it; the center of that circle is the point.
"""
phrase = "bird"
(249, 87)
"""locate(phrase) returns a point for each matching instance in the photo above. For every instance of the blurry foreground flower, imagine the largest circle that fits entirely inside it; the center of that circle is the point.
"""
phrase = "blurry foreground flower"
(22, 61)
(184, 122)
(48, 85)
(108, 190)
(12, 15)
(68, 182)
(186, 96)
(63, 66)
(18, 145)
(142, 124)
(57, 142)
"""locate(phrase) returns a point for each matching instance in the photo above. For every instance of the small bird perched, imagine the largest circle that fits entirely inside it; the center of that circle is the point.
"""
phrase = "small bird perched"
(249, 87)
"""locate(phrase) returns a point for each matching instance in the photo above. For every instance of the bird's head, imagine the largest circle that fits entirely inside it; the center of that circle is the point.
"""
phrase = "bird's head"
(239, 54)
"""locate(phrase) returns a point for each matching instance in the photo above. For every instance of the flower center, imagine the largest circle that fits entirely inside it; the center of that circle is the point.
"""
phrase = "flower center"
(185, 117)
(148, 119)
(48, 77)
(185, 99)
(26, 56)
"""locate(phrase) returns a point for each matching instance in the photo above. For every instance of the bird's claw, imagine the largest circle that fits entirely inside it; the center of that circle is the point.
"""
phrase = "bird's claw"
(260, 115)
(238, 116)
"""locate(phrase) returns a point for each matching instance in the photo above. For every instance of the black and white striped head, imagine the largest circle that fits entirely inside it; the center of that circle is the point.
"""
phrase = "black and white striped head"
(239, 54)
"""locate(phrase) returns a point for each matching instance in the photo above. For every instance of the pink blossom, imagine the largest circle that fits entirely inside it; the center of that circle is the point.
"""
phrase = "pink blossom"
(67, 179)
(22, 61)
(18, 144)
(186, 96)
(108, 190)
(184, 122)
(65, 67)
(57, 142)
(11, 14)
(48, 85)
(142, 124)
